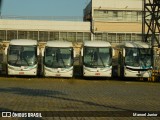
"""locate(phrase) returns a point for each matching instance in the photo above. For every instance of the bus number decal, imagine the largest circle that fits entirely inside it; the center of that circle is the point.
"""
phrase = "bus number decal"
(97, 73)
(58, 75)
(21, 73)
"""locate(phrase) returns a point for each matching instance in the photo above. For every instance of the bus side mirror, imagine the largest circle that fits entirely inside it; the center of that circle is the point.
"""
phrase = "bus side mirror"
(37, 50)
(113, 52)
(82, 52)
(42, 52)
(124, 52)
(5, 51)
(74, 53)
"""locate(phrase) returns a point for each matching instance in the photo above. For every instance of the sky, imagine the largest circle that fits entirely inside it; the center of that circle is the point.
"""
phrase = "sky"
(44, 7)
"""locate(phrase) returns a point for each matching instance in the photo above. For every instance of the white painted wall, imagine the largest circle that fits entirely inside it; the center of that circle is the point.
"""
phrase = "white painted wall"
(117, 4)
(44, 25)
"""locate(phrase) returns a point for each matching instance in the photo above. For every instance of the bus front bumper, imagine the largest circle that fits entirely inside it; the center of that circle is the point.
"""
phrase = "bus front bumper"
(97, 72)
(58, 72)
(28, 71)
(130, 73)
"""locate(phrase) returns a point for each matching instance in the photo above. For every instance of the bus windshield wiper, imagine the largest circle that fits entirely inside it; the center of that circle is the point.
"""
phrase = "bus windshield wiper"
(62, 60)
(59, 57)
(101, 61)
(25, 60)
(18, 58)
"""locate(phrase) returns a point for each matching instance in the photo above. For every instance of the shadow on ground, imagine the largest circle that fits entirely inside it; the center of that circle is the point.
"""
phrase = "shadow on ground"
(55, 95)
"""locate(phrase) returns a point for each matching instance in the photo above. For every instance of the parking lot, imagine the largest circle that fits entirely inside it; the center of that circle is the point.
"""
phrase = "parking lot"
(83, 98)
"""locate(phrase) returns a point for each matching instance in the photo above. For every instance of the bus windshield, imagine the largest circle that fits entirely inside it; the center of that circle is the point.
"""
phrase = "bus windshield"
(138, 57)
(97, 57)
(22, 55)
(58, 57)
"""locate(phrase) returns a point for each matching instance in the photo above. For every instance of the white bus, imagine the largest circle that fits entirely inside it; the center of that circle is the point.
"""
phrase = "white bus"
(135, 59)
(97, 59)
(58, 59)
(22, 57)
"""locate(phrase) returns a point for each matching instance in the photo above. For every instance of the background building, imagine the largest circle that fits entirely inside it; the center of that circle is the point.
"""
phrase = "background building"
(44, 30)
(115, 20)
(108, 20)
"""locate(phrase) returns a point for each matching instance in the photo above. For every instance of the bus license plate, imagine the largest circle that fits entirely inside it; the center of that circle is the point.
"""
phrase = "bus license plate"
(21, 73)
(97, 73)
(139, 75)
(58, 75)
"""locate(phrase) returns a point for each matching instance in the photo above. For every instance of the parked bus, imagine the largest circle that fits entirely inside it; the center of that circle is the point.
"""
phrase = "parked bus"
(58, 59)
(22, 55)
(135, 59)
(97, 59)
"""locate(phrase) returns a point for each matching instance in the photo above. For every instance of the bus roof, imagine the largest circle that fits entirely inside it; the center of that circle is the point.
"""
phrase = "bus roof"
(23, 42)
(136, 44)
(97, 44)
(59, 44)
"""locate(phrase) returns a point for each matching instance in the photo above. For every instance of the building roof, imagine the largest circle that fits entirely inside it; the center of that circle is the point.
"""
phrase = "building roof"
(97, 44)
(59, 44)
(136, 44)
(23, 42)
(117, 4)
(44, 25)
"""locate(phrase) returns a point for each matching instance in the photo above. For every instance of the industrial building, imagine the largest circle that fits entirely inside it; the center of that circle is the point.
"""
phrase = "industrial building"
(115, 20)
(108, 20)
(43, 30)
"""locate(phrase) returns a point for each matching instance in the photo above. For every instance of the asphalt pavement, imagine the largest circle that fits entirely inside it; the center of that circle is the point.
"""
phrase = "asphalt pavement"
(76, 99)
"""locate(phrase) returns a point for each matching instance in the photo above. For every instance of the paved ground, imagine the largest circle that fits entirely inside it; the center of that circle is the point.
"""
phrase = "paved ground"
(93, 98)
